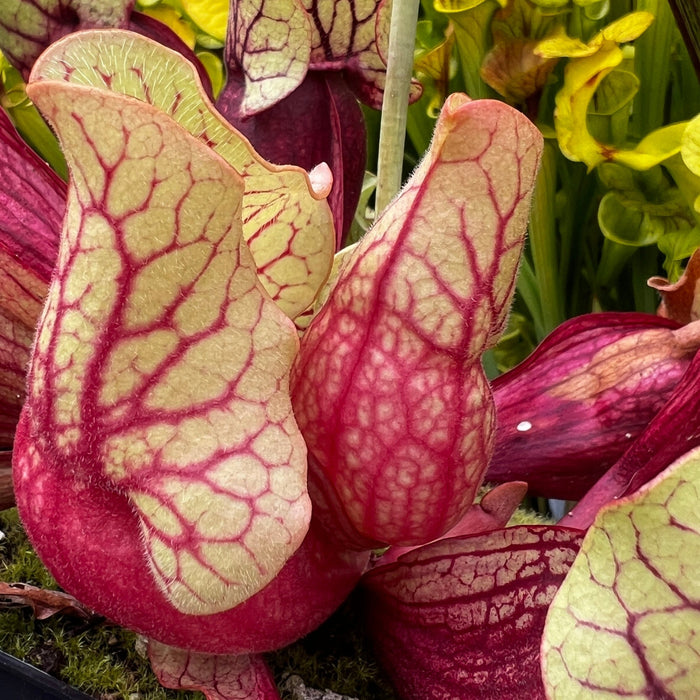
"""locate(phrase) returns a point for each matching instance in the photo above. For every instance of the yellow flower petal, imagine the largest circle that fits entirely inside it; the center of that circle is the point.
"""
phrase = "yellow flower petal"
(209, 15)
(560, 45)
(170, 18)
(628, 28)
(690, 145)
(654, 148)
(452, 6)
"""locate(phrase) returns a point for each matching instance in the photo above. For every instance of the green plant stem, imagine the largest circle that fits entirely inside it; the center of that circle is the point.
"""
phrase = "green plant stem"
(652, 63)
(544, 245)
(581, 26)
(473, 38)
(392, 134)
(529, 292)
(613, 259)
(644, 266)
(578, 242)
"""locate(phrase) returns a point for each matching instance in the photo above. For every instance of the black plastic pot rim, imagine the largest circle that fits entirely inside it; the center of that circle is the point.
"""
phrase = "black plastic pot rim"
(22, 681)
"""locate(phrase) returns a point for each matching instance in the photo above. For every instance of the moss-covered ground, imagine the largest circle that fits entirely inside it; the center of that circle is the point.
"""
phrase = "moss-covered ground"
(102, 660)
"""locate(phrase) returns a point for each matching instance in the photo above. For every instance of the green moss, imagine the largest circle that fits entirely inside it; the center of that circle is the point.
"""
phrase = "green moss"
(18, 562)
(98, 658)
(337, 657)
(102, 660)
(529, 516)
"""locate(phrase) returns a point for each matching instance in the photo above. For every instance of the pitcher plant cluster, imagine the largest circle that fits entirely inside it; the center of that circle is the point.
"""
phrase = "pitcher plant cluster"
(209, 397)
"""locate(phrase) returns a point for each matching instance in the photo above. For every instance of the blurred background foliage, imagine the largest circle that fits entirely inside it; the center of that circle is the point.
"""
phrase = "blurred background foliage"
(613, 89)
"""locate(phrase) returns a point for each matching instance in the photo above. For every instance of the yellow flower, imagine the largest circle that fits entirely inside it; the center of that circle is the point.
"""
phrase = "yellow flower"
(589, 63)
